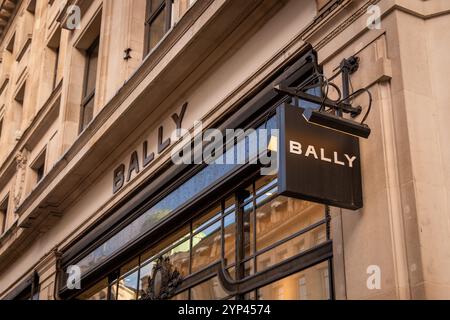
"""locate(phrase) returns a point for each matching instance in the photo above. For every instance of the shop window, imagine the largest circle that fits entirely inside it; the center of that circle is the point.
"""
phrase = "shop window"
(87, 104)
(206, 240)
(38, 166)
(19, 102)
(198, 245)
(229, 233)
(208, 290)
(325, 276)
(128, 286)
(144, 278)
(303, 289)
(183, 296)
(3, 215)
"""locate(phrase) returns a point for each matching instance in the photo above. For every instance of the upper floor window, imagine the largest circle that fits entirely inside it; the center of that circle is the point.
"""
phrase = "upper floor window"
(161, 16)
(19, 102)
(3, 214)
(87, 104)
(157, 22)
(38, 166)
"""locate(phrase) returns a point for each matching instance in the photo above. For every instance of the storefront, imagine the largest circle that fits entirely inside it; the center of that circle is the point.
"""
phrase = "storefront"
(217, 231)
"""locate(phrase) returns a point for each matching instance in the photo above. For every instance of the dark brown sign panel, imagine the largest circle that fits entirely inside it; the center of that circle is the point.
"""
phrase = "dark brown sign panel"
(316, 163)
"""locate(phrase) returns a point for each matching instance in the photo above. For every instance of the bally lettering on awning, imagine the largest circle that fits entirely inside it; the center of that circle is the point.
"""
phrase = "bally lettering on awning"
(316, 163)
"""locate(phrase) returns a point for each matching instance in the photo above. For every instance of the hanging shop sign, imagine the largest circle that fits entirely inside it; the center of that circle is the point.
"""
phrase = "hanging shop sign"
(317, 163)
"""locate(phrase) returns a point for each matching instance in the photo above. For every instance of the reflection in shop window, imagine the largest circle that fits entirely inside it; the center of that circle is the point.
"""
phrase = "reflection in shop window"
(230, 236)
(286, 250)
(303, 290)
(320, 236)
(325, 280)
(206, 246)
(179, 257)
(144, 278)
(181, 296)
(208, 290)
(297, 286)
(128, 287)
(300, 246)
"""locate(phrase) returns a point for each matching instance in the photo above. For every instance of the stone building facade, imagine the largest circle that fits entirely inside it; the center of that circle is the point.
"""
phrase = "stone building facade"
(88, 88)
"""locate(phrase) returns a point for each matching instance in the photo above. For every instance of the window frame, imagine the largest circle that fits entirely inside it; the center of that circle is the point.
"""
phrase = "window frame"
(4, 208)
(151, 16)
(209, 271)
(88, 97)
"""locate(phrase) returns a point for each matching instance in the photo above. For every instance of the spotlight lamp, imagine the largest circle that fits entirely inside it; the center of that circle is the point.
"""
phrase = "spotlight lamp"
(330, 113)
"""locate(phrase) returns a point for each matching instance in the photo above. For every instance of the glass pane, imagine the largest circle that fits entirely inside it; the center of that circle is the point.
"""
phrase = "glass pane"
(144, 278)
(87, 113)
(291, 248)
(208, 290)
(206, 247)
(154, 4)
(230, 238)
(179, 257)
(248, 217)
(181, 296)
(281, 217)
(267, 185)
(249, 268)
(128, 287)
(207, 218)
(232, 272)
(129, 266)
(169, 241)
(311, 284)
(250, 296)
(97, 292)
(113, 291)
(91, 73)
(157, 29)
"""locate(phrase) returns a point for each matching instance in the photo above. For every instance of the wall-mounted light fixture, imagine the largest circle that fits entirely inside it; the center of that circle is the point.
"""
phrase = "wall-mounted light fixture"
(320, 110)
